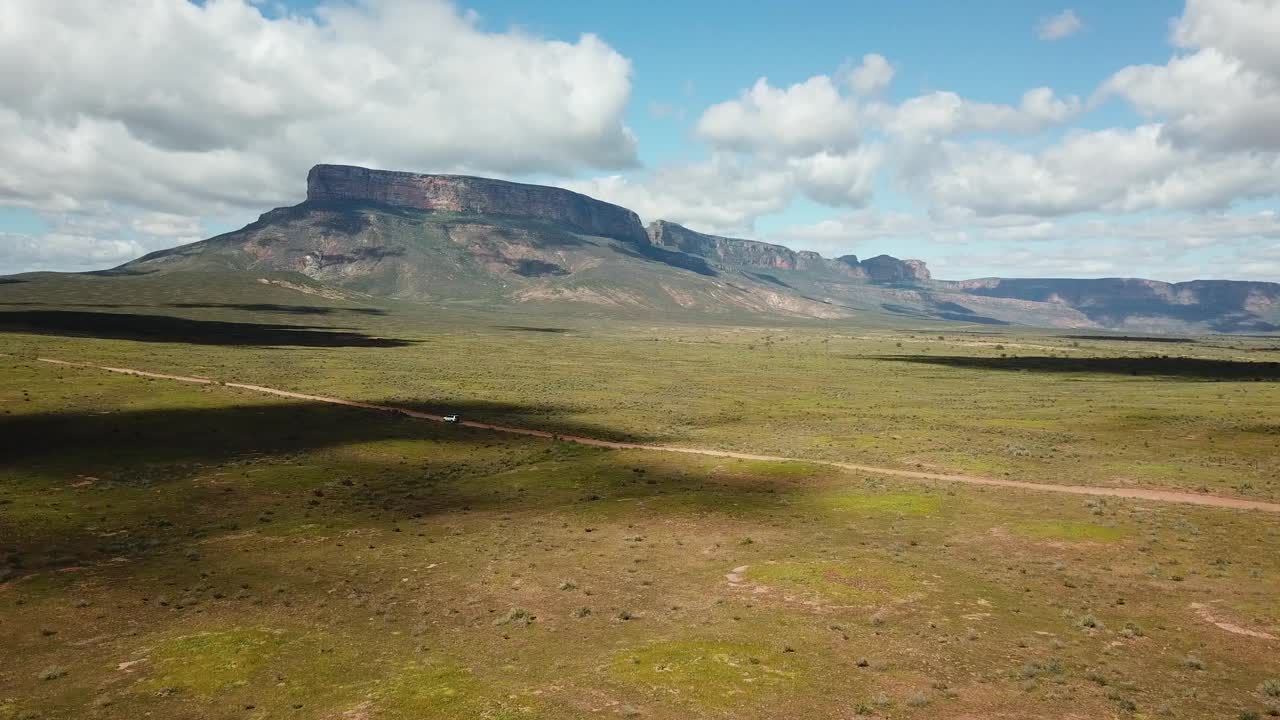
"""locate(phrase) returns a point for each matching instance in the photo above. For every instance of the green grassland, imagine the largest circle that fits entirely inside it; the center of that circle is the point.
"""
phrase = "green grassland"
(180, 551)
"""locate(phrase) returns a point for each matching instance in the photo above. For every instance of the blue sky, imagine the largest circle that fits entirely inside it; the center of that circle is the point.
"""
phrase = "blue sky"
(1115, 168)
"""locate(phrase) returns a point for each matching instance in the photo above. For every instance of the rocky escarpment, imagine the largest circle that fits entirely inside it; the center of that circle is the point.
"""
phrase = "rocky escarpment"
(456, 238)
(755, 254)
(1220, 305)
(474, 196)
(886, 268)
(730, 251)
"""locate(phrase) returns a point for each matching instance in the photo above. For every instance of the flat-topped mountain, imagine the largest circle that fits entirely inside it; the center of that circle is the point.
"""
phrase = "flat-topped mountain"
(453, 238)
(473, 196)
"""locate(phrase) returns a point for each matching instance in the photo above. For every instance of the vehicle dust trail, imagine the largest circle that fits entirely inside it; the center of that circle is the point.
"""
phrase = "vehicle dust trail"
(1171, 496)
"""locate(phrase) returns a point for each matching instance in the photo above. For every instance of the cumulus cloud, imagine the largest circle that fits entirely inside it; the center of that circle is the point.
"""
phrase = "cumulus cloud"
(1152, 245)
(1108, 170)
(872, 76)
(1225, 94)
(172, 106)
(809, 136)
(940, 114)
(847, 233)
(59, 251)
(729, 191)
(1056, 27)
(804, 118)
(133, 124)
(838, 179)
(94, 237)
(724, 194)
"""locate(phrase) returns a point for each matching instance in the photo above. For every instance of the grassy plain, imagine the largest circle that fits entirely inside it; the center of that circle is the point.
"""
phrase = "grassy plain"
(205, 552)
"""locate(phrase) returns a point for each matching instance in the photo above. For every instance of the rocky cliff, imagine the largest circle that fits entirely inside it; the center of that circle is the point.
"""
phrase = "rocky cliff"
(729, 251)
(474, 196)
(445, 238)
(1218, 305)
(762, 255)
(886, 268)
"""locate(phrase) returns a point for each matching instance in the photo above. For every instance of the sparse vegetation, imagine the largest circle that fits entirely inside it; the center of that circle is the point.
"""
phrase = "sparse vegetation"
(206, 549)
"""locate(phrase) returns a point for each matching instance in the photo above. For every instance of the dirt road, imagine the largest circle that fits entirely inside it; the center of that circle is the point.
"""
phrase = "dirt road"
(1157, 495)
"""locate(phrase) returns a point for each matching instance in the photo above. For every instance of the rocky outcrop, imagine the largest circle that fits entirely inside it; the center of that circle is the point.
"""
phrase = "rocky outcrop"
(729, 251)
(736, 252)
(476, 239)
(1218, 305)
(474, 196)
(885, 268)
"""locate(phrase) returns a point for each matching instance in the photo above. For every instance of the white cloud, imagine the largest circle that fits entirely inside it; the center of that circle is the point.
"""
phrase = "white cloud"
(843, 235)
(221, 105)
(1226, 94)
(127, 146)
(97, 236)
(1244, 29)
(838, 179)
(940, 114)
(805, 118)
(811, 132)
(724, 194)
(1151, 246)
(872, 76)
(58, 251)
(728, 192)
(1107, 170)
(1056, 27)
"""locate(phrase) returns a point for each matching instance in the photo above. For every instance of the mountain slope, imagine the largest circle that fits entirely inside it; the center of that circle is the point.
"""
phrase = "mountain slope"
(449, 238)
(1222, 306)
(453, 238)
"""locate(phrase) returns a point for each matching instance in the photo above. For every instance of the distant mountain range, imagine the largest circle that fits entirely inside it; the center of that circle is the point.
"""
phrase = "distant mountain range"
(448, 238)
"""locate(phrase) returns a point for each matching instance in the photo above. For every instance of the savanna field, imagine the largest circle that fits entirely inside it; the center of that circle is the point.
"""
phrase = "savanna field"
(178, 550)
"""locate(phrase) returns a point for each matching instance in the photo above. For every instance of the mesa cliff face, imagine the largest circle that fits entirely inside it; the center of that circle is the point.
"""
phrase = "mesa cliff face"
(1218, 305)
(448, 237)
(766, 256)
(474, 196)
(886, 268)
(730, 251)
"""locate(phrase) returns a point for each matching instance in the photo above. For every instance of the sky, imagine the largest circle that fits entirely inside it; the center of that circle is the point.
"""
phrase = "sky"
(1013, 138)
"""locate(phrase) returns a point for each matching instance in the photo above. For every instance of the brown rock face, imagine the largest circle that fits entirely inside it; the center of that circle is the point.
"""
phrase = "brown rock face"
(475, 196)
(885, 268)
(756, 254)
(730, 251)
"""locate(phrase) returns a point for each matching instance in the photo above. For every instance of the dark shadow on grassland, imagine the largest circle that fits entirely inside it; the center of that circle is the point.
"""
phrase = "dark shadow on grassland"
(202, 434)
(161, 328)
(27, 303)
(1171, 367)
(1131, 338)
(10, 281)
(84, 488)
(531, 328)
(276, 308)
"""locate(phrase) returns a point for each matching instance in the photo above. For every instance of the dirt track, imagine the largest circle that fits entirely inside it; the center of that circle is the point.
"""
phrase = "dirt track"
(1172, 496)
